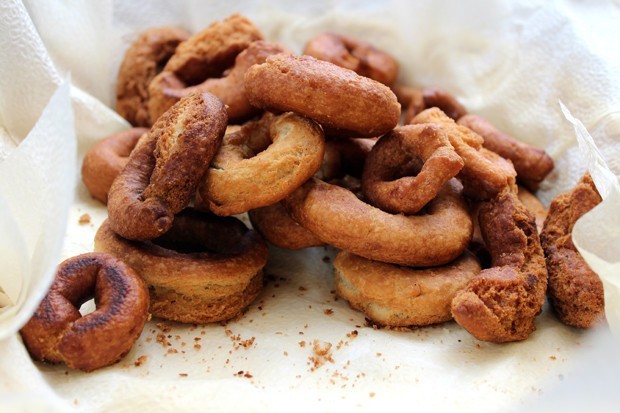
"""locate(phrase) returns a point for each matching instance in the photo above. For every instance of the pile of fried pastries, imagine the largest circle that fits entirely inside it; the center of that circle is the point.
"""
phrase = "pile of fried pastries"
(432, 208)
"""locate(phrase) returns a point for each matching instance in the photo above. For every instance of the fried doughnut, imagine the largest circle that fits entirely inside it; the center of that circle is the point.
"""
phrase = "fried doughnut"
(276, 226)
(339, 99)
(340, 219)
(142, 62)
(345, 156)
(532, 164)
(105, 160)
(205, 269)
(392, 295)
(382, 181)
(57, 332)
(167, 88)
(502, 302)
(437, 98)
(575, 291)
(163, 171)
(354, 54)
(261, 164)
(412, 101)
(485, 174)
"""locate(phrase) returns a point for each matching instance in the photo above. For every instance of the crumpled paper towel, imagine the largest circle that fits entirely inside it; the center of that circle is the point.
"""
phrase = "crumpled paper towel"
(511, 62)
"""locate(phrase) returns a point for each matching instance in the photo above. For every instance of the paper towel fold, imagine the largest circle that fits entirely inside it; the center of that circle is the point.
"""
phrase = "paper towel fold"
(510, 62)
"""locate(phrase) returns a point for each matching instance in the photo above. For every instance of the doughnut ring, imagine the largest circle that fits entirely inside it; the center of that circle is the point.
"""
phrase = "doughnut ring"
(275, 224)
(261, 164)
(339, 99)
(142, 62)
(105, 160)
(340, 219)
(57, 332)
(205, 269)
(485, 173)
(354, 54)
(575, 291)
(501, 303)
(409, 194)
(532, 164)
(164, 170)
(167, 88)
(397, 296)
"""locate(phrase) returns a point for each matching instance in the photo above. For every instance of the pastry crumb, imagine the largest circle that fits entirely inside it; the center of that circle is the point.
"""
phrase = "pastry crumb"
(84, 219)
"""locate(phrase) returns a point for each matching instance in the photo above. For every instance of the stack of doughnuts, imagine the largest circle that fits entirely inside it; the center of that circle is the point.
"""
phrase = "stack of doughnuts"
(422, 199)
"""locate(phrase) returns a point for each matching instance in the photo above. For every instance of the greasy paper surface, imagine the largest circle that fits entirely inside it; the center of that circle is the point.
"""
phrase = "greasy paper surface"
(509, 62)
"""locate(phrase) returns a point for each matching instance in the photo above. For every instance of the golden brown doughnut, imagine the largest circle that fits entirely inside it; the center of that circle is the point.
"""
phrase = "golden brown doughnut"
(532, 164)
(575, 291)
(57, 332)
(167, 88)
(383, 183)
(339, 99)
(393, 295)
(163, 171)
(205, 269)
(340, 219)
(276, 226)
(142, 62)
(485, 173)
(261, 164)
(105, 160)
(354, 54)
(501, 303)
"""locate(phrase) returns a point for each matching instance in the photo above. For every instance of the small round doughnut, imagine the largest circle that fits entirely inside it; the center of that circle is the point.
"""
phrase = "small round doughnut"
(485, 173)
(276, 226)
(205, 269)
(142, 62)
(57, 332)
(397, 296)
(354, 54)
(261, 164)
(167, 88)
(382, 182)
(501, 303)
(575, 291)
(339, 99)
(105, 160)
(340, 219)
(164, 170)
(532, 164)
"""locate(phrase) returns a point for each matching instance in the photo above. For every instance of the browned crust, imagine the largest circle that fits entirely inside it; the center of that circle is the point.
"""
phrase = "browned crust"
(354, 54)
(105, 160)
(533, 205)
(383, 183)
(246, 176)
(58, 333)
(337, 98)
(446, 102)
(340, 219)
(275, 224)
(501, 303)
(575, 291)
(485, 173)
(394, 295)
(532, 164)
(163, 173)
(222, 260)
(142, 62)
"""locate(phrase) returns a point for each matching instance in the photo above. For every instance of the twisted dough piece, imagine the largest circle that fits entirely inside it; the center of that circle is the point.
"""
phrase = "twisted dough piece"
(382, 180)
(501, 303)
(57, 332)
(575, 291)
(354, 54)
(165, 169)
(485, 173)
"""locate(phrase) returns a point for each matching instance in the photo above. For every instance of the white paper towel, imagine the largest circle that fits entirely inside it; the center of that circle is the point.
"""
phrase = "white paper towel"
(510, 62)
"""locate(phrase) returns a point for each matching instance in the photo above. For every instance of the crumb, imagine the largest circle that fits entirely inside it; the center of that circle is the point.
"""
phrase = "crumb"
(552, 358)
(164, 327)
(140, 361)
(197, 346)
(161, 338)
(172, 351)
(379, 354)
(371, 394)
(321, 348)
(84, 219)
(286, 353)
(183, 374)
(352, 334)
(328, 311)
(75, 402)
(302, 344)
